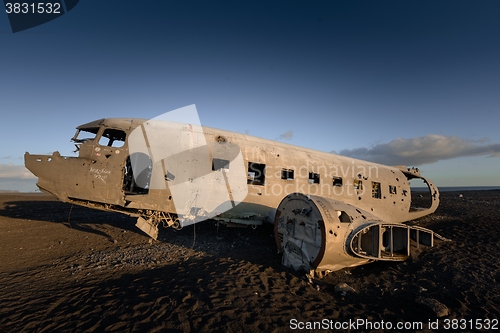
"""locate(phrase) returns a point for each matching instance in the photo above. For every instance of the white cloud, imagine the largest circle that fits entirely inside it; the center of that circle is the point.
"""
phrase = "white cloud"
(423, 150)
(13, 171)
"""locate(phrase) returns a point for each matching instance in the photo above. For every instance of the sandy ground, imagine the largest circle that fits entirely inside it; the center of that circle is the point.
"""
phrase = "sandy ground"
(70, 269)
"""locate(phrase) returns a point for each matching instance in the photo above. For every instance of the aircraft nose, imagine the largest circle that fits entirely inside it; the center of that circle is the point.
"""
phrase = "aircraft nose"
(43, 167)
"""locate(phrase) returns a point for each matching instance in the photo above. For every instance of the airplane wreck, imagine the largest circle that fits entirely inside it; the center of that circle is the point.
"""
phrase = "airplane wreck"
(329, 211)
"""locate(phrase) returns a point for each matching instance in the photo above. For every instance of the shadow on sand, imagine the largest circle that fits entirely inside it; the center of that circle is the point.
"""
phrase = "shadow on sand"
(47, 209)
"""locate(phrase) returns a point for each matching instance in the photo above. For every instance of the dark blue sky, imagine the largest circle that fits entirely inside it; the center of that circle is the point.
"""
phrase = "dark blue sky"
(350, 77)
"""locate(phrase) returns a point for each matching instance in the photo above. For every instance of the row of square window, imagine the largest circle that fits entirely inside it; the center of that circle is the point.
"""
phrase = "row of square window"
(257, 176)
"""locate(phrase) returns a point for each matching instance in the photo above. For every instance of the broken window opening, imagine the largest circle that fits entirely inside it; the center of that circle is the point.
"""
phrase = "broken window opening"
(256, 173)
(358, 184)
(137, 174)
(112, 138)
(337, 181)
(85, 134)
(218, 164)
(313, 178)
(421, 197)
(287, 174)
(392, 189)
(343, 217)
(376, 191)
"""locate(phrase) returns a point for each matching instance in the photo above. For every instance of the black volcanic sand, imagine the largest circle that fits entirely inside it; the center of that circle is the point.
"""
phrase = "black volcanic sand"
(71, 269)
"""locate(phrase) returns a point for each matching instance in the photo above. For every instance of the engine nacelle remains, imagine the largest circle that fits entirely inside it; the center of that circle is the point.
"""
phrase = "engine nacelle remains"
(323, 234)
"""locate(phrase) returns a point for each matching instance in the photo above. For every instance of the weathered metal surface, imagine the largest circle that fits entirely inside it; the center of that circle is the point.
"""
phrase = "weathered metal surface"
(179, 174)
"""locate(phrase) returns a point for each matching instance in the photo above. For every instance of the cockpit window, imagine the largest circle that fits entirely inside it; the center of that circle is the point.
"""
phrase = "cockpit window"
(112, 138)
(85, 134)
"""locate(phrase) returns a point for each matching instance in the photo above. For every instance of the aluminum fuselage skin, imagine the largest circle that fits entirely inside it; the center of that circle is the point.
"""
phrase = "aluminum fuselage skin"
(95, 178)
(347, 197)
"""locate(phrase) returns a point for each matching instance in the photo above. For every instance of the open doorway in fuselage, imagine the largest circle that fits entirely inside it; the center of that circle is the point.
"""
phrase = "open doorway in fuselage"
(137, 174)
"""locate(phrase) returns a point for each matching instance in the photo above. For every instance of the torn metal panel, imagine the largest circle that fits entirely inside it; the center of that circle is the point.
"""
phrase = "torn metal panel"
(148, 227)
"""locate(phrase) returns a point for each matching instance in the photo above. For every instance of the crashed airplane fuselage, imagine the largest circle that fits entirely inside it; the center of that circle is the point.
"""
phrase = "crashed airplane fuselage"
(329, 211)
